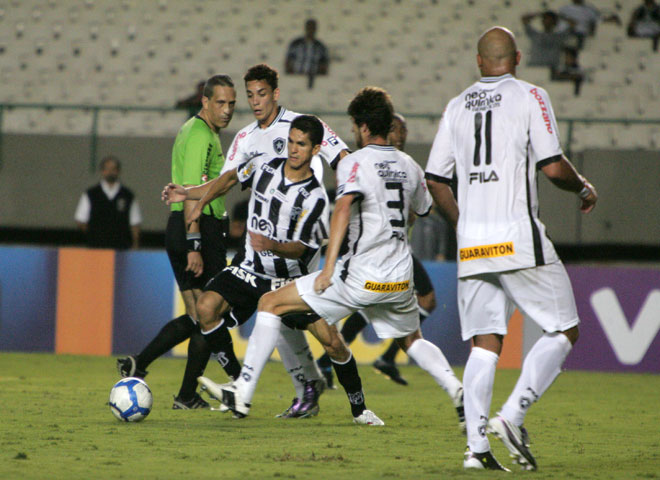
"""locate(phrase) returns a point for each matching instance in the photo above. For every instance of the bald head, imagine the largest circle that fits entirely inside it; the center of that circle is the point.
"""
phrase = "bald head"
(497, 53)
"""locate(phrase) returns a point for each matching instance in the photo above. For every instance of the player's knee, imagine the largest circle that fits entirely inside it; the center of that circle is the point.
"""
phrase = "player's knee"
(572, 334)
(427, 302)
(206, 310)
(268, 303)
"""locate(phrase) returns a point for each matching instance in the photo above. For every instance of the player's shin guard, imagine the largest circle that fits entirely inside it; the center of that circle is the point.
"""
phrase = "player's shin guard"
(173, 333)
(198, 357)
(540, 368)
(478, 381)
(297, 358)
(348, 377)
(260, 347)
(430, 358)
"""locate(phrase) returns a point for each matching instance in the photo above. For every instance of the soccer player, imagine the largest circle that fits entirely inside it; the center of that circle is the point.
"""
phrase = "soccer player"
(495, 136)
(287, 225)
(196, 249)
(377, 186)
(354, 324)
(267, 136)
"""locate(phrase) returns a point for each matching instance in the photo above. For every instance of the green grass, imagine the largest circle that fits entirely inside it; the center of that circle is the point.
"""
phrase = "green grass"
(55, 424)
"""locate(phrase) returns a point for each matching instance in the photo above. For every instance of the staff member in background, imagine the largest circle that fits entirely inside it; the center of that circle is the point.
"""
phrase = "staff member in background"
(108, 213)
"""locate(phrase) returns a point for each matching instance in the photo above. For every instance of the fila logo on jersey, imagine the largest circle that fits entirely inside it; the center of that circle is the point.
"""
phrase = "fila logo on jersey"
(278, 145)
(483, 177)
(268, 168)
(486, 251)
(243, 275)
(544, 109)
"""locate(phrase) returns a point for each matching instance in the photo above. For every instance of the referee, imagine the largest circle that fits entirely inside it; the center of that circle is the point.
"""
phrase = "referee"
(196, 250)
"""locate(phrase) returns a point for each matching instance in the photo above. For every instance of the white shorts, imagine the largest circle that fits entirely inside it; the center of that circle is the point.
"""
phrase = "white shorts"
(392, 314)
(542, 294)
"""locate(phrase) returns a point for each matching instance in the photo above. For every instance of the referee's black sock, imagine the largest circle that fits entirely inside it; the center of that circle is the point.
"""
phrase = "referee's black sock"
(173, 333)
(220, 342)
(347, 374)
(199, 352)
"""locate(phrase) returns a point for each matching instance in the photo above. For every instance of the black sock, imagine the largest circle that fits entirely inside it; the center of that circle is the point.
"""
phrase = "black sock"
(199, 352)
(172, 334)
(391, 352)
(226, 356)
(324, 361)
(352, 326)
(348, 377)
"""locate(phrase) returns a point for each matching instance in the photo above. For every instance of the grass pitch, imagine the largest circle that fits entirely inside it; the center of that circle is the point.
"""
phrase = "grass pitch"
(55, 424)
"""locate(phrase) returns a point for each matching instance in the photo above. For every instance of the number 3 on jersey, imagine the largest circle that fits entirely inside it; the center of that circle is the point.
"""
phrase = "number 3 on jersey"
(396, 204)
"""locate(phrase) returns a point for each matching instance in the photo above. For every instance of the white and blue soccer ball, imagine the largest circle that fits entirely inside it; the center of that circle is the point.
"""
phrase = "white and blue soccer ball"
(130, 399)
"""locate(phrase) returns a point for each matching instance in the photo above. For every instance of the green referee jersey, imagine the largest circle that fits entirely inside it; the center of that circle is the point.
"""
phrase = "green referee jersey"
(197, 158)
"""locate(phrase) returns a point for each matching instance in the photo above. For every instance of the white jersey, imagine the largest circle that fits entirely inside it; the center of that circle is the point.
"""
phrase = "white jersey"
(286, 212)
(271, 142)
(494, 136)
(388, 183)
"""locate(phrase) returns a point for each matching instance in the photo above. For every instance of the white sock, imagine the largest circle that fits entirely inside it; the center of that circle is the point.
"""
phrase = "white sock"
(297, 358)
(540, 368)
(478, 381)
(260, 346)
(431, 359)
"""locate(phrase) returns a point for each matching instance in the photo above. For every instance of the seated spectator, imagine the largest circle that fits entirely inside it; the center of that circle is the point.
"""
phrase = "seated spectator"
(570, 69)
(546, 45)
(586, 18)
(193, 103)
(306, 55)
(108, 213)
(645, 22)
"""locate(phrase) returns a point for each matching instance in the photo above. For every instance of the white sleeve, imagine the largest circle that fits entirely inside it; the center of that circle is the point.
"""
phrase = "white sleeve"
(442, 157)
(331, 146)
(348, 176)
(543, 130)
(236, 155)
(135, 214)
(83, 209)
(421, 201)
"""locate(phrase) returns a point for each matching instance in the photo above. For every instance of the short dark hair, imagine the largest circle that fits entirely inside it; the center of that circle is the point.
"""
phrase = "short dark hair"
(109, 158)
(310, 125)
(373, 106)
(262, 72)
(214, 81)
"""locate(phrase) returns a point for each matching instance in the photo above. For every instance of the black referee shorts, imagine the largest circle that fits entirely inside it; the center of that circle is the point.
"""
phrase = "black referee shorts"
(423, 285)
(214, 250)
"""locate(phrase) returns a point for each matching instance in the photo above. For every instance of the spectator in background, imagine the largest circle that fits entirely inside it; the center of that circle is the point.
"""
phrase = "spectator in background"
(108, 213)
(193, 103)
(306, 55)
(586, 18)
(645, 22)
(546, 45)
(570, 69)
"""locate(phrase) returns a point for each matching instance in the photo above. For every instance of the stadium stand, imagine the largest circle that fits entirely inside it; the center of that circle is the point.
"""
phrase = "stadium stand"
(146, 53)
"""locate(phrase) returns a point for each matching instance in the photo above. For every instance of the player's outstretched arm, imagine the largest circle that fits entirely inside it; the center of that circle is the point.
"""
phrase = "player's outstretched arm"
(563, 174)
(173, 193)
(338, 227)
(209, 191)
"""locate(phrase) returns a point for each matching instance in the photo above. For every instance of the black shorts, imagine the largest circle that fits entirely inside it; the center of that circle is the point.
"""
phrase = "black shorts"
(242, 290)
(423, 285)
(214, 252)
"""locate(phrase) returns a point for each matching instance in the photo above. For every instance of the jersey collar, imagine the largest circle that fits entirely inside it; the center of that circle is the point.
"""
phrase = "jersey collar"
(380, 147)
(495, 79)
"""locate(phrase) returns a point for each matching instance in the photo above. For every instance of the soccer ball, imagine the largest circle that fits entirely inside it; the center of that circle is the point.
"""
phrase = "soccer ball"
(130, 399)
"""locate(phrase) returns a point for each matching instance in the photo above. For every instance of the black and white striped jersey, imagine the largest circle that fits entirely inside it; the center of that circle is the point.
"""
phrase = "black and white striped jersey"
(286, 212)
